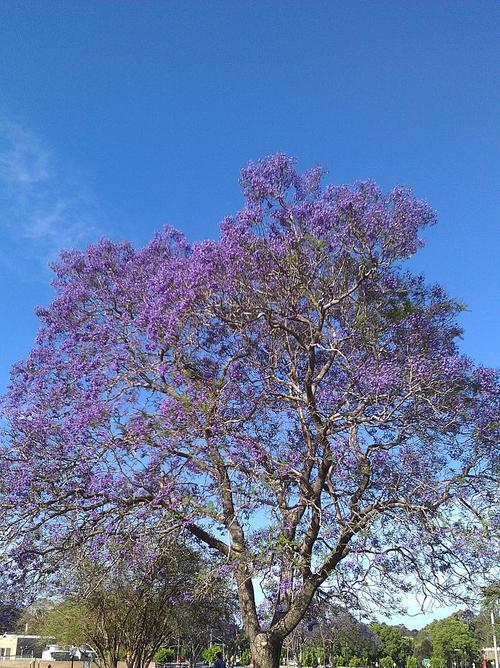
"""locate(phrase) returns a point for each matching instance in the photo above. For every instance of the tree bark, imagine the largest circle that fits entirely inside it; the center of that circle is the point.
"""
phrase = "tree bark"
(266, 646)
(266, 650)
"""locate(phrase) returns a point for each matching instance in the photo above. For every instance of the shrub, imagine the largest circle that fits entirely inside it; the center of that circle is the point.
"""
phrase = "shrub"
(312, 655)
(210, 653)
(438, 661)
(356, 662)
(386, 662)
(246, 657)
(164, 655)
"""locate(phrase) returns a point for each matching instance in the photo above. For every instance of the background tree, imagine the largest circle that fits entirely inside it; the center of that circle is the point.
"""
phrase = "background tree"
(32, 616)
(328, 631)
(423, 645)
(289, 394)
(204, 620)
(246, 657)
(452, 641)
(386, 662)
(482, 622)
(491, 595)
(210, 653)
(70, 623)
(164, 655)
(396, 643)
(9, 617)
(127, 611)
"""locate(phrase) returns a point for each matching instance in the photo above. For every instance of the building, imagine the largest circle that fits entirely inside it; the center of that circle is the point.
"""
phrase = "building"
(20, 646)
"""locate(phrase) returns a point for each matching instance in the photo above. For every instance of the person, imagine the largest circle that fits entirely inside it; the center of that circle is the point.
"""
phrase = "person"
(219, 661)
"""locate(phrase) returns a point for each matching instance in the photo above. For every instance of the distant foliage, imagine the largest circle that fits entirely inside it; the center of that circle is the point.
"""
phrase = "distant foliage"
(164, 655)
(395, 643)
(355, 662)
(246, 657)
(452, 641)
(210, 653)
(9, 617)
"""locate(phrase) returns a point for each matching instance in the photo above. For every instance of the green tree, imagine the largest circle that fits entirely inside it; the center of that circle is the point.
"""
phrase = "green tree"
(386, 662)
(482, 622)
(33, 617)
(164, 655)
(210, 653)
(330, 631)
(355, 662)
(68, 622)
(395, 643)
(312, 654)
(208, 616)
(491, 595)
(246, 657)
(127, 612)
(423, 644)
(453, 642)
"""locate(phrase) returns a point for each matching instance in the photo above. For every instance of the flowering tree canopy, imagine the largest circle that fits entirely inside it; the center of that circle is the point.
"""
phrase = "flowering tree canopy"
(289, 394)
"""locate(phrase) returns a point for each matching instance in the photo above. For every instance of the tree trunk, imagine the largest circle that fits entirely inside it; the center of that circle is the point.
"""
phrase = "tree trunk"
(266, 650)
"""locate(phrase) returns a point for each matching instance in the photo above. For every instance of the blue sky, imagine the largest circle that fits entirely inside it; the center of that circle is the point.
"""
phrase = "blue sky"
(119, 117)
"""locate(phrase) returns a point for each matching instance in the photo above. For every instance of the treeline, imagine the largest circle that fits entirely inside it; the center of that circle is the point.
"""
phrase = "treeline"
(180, 605)
(454, 642)
(125, 625)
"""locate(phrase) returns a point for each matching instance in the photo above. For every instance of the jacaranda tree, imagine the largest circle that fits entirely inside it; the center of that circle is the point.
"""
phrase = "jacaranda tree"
(289, 394)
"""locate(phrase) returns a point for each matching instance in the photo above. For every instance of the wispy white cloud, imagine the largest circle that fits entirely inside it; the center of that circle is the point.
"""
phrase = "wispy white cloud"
(23, 161)
(42, 208)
